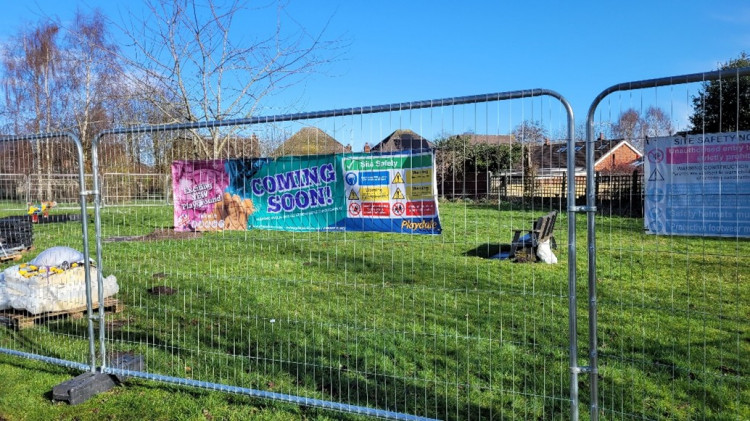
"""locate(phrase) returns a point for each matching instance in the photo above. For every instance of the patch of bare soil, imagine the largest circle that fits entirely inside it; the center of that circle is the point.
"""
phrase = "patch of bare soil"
(156, 235)
(162, 290)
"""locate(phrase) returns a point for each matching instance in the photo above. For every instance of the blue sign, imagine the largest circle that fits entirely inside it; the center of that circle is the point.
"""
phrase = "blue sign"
(373, 178)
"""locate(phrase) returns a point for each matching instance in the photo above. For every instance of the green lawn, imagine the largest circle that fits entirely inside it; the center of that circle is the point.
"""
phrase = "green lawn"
(416, 324)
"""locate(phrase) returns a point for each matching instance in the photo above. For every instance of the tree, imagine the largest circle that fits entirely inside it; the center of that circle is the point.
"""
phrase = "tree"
(657, 122)
(91, 74)
(30, 66)
(57, 78)
(456, 155)
(629, 125)
(530, 132)
(185, 48)
(634, 126)
(723, 105)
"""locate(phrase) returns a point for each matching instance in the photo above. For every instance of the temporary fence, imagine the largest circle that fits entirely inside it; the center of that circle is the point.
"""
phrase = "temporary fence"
(58, 340)
(668, 296)
(408, 326)
(390, 325)
(616, 194)
(132, 189)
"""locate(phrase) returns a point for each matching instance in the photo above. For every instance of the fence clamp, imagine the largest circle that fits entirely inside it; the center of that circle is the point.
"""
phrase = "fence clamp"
(89, 192)
(581, 208)
(583, 369)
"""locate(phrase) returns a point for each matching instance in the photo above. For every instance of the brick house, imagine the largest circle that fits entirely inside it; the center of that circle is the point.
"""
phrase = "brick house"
(615, 156)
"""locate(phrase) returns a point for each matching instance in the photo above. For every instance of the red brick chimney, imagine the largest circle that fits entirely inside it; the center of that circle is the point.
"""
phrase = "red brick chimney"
(367, 147)
(348, 148)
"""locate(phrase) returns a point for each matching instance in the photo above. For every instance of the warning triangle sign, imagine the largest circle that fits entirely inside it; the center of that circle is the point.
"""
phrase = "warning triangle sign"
(397, 179)
(398, 194)
(655, 176)
(353, 195)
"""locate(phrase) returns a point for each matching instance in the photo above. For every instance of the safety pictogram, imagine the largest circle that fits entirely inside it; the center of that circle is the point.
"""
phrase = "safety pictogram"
(655, 176)
(398, 208)
(397, 179)
(656, 156)
(398, 195)
(355, 209)
(353, 195)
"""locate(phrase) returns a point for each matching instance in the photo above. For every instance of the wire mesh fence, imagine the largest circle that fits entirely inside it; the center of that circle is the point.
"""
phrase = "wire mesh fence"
(616, 194)
(43, 298)
(407, 326)
(428, 325)
(132, 189)
(671, 285)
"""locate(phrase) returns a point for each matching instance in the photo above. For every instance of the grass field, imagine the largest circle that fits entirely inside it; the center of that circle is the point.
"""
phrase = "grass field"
(422, 325)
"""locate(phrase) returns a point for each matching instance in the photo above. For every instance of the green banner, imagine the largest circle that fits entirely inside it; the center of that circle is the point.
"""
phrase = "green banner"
(393, 192)
(299, 193)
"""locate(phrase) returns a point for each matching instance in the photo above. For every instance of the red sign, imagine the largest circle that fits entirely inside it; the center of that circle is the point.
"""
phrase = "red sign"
(376, 209)
(420, 208)
(354, 209)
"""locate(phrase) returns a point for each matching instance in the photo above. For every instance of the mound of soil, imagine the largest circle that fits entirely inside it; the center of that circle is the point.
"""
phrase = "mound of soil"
(162, 290)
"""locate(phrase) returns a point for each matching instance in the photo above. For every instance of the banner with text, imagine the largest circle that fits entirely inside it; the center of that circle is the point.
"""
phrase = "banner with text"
(698, 185)
(351, 192)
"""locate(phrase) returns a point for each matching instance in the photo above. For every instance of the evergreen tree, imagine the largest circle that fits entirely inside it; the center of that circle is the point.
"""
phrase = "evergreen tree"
(722, 104)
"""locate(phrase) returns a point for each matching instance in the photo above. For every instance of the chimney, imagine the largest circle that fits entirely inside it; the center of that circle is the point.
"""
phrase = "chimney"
(601, 135)
(546, 141)
(367, 147)
(348, 148)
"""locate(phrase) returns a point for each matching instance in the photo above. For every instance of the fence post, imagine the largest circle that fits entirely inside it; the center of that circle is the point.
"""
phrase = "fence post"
(166, 189)
(562, 190)
(597, 186)
(635, 191)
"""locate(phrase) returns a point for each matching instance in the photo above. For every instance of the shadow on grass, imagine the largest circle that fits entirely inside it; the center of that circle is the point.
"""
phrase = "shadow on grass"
(488, 250)
(364, 368)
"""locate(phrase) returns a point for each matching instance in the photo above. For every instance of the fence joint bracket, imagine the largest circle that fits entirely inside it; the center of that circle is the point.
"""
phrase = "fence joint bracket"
(581, 208)
(582, 369)
(89, 192)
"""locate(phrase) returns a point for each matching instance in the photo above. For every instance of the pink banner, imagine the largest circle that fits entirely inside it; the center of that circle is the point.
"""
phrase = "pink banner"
(198, 191)
(708, 154)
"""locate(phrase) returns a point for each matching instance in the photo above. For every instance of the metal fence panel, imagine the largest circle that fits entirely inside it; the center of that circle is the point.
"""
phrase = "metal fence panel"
(132, 189)
(14, 188)
(64, 189)
(46, 304)
(669, 313)
(371, 323)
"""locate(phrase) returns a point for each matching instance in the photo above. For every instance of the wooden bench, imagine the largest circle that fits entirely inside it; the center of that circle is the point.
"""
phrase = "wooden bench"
(523, 248)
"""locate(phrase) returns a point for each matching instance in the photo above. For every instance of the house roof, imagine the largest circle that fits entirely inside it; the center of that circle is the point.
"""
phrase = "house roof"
(555, 155)
(402, 140)
(309, 141)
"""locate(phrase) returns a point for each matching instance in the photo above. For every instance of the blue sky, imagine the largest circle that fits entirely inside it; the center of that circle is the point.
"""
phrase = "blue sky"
(414, 50)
